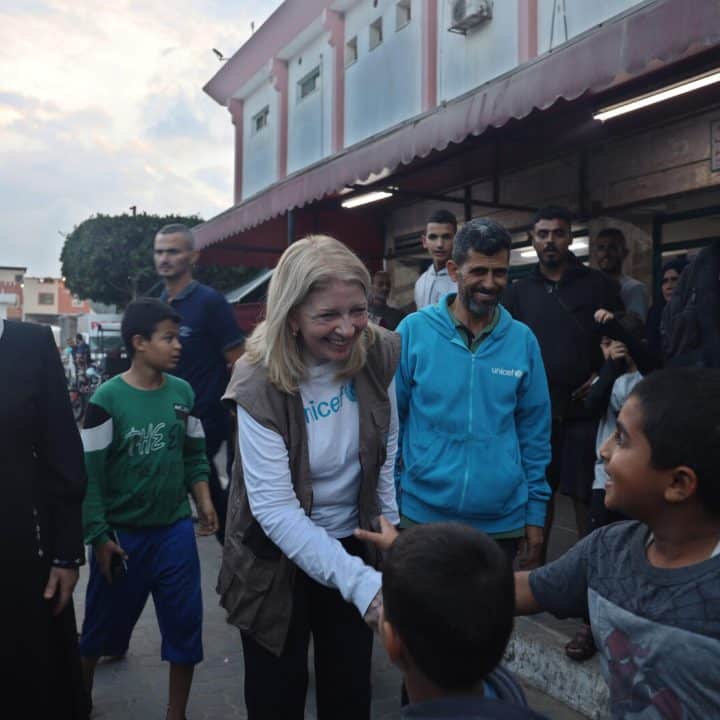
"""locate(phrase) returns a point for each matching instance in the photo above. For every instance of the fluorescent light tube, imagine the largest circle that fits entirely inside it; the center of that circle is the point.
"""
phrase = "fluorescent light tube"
(681, 88)
(365, 199)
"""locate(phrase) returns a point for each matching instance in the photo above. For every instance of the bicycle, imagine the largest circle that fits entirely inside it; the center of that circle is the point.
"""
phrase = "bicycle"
(81, 387)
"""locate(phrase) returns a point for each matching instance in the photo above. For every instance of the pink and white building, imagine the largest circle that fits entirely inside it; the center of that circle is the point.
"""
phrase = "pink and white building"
(477, 106)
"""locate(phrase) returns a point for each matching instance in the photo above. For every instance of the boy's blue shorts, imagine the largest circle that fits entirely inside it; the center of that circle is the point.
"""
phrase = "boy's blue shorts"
(162, 561)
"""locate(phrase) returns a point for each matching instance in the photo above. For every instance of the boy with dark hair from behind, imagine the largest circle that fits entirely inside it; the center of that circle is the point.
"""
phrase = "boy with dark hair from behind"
(448, 601)
(652, 585)
(144, 451)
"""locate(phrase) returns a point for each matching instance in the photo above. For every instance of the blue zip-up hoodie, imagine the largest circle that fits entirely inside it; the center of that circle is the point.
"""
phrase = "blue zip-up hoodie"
(475, 427)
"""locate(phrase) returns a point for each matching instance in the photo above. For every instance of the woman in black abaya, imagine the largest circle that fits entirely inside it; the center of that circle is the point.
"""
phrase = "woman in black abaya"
(42, 483)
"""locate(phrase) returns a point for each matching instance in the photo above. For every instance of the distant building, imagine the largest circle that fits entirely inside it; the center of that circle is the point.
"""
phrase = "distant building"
(45, 300)
(11, 292)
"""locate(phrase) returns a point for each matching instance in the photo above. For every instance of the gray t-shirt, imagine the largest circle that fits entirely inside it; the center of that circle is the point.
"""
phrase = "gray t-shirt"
(657, 631)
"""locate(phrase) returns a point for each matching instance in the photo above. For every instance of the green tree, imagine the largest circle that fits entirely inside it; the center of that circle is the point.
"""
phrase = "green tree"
(109, 259)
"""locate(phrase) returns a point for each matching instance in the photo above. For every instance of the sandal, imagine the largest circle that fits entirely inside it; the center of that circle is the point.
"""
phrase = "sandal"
(582, 646)
(168, 712)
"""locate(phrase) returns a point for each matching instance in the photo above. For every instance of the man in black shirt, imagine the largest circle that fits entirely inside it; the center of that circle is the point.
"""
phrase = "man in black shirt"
(378, 309)
(211, 342)
(558, 301)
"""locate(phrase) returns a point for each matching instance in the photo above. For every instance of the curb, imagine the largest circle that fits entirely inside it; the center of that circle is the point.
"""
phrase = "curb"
(536, 653)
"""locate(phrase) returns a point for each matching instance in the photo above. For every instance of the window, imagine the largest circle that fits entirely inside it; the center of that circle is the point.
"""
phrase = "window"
(46, 298)
(351, 51)
(309, 84)
(376, 35)
(403, 14)
(18, 278)
(260, 120)
(77, 302)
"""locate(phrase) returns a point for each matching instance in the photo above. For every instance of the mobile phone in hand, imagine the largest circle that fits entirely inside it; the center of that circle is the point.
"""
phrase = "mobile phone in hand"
(118, 564)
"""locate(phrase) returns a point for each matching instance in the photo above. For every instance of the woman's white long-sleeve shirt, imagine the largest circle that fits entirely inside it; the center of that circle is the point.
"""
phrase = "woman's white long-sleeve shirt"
(333, 432)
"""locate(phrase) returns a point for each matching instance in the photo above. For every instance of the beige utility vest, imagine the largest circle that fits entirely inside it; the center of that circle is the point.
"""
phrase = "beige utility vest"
(256, 579)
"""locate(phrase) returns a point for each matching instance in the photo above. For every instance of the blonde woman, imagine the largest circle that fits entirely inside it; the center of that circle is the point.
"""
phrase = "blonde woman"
(317, 433)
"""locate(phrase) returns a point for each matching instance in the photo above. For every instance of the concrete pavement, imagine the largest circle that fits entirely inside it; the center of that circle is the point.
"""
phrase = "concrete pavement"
(135, 688)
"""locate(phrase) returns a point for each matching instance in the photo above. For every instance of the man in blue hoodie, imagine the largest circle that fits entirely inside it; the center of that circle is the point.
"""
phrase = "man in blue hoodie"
(474, 405)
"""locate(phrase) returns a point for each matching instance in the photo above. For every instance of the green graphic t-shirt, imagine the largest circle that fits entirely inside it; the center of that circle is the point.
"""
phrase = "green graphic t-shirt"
(144, 450)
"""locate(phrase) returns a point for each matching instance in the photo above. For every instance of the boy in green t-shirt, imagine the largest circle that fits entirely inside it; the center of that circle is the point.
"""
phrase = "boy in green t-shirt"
(144, 451)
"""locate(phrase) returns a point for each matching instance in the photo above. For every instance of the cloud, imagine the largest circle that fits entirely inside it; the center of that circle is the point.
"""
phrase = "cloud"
(50, 193)
(179, 119)
(101, 108)
(216, 177)
(28, 7)
(18, 100)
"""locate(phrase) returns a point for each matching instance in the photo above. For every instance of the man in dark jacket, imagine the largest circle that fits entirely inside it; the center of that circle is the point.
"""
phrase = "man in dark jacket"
(690, 325)
(558, 301)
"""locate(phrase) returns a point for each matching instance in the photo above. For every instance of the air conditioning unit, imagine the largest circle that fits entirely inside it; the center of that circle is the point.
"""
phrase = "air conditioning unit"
(467, 14)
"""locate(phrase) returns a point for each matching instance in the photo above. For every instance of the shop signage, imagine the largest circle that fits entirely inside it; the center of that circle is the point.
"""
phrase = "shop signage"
(715, 146)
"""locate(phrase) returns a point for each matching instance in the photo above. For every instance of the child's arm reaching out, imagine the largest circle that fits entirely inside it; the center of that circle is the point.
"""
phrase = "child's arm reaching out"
(563, 582)
(525, 602)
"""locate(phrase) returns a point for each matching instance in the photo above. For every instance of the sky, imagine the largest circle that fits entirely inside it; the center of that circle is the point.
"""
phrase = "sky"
(102, 108)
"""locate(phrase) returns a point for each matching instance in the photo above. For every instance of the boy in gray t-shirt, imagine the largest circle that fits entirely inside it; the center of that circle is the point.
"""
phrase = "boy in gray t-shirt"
(652, 586)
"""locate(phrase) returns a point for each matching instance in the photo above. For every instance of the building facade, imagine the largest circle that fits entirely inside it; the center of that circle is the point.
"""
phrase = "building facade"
(483, 108)
(46, 300)
(11, 292)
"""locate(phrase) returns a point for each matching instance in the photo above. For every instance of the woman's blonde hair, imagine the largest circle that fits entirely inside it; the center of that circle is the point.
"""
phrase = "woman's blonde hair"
(310, 264)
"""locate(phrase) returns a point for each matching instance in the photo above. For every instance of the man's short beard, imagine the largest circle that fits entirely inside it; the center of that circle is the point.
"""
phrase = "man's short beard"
(553, 263)
(479, 310)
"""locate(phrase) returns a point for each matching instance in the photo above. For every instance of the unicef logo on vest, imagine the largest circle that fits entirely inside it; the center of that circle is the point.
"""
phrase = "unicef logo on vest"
(507, 372)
